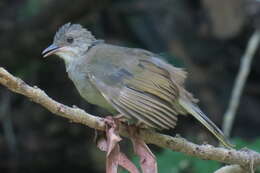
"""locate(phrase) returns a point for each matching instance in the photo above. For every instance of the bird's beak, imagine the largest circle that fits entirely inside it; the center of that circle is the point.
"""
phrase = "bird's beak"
(50, 50)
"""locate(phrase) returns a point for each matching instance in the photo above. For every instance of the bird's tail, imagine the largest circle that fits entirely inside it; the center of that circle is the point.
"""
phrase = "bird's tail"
(202, 118)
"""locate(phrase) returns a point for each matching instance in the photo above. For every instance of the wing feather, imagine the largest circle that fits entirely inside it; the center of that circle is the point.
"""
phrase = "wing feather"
(140, 90)
(155, 103)
(148, 110)
(135, 114)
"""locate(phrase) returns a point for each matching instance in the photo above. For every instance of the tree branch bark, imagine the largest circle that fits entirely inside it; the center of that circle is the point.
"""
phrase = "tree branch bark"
(230, 169)
(244, 158)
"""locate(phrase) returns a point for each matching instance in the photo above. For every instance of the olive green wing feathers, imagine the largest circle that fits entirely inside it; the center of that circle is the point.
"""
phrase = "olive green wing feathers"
(139, 89)
(145, 88)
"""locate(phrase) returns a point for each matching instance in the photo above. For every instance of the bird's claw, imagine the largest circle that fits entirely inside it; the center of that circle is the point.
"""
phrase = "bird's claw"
(115, 157)
(147, 159)
(110, 144)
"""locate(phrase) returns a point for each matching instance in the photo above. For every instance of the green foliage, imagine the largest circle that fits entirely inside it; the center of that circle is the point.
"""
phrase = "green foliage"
(172, 162)
(30, 8)
(254, 145)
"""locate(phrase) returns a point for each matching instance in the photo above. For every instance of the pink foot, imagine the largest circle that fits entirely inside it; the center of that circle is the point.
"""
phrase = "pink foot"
(147, 159)
(110, 144)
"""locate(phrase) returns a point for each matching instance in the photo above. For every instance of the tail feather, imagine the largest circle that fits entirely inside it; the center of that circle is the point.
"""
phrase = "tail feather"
(202, 118)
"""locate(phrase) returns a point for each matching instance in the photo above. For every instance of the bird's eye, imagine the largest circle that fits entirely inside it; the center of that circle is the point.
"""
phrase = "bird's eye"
(70, 40)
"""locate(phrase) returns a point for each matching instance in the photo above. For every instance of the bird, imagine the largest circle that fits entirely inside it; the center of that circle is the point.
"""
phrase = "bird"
(133, 82)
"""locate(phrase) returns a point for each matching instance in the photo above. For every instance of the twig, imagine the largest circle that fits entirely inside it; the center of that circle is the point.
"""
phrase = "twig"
(242, 157)
(242, 75)
(231, 169)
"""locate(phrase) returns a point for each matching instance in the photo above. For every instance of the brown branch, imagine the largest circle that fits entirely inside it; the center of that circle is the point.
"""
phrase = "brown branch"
(231, 169)
(245, 158)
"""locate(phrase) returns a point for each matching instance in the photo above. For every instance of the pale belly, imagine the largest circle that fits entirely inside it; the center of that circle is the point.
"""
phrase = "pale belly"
(89, 92)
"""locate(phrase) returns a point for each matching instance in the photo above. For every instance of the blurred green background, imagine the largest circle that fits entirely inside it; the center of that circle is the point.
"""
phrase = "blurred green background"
(206, 37)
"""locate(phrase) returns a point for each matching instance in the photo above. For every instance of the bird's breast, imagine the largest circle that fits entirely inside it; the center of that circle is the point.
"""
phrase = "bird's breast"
(86, 89)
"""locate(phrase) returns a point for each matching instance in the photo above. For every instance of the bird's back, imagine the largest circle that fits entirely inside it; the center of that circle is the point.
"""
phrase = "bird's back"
(153, 85)
(140, 86)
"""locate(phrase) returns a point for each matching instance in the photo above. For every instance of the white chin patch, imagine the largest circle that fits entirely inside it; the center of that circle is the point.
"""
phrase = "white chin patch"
(68, 54)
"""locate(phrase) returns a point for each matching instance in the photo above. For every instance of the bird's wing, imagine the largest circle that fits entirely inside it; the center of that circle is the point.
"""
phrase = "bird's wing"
(140, 90)
(143, 87)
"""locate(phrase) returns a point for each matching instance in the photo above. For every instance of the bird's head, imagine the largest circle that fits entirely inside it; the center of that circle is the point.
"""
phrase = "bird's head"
(70, 41)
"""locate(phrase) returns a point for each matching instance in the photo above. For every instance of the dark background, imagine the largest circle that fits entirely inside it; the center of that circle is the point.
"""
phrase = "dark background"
(206, 37)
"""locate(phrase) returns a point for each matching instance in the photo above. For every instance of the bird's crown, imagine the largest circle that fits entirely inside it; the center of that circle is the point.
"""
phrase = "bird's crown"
(69, 29)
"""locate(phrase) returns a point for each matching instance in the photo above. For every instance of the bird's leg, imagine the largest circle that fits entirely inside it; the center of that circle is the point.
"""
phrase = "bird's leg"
(112, 134)
(110, 144)
(120, 118)
(147, 159)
